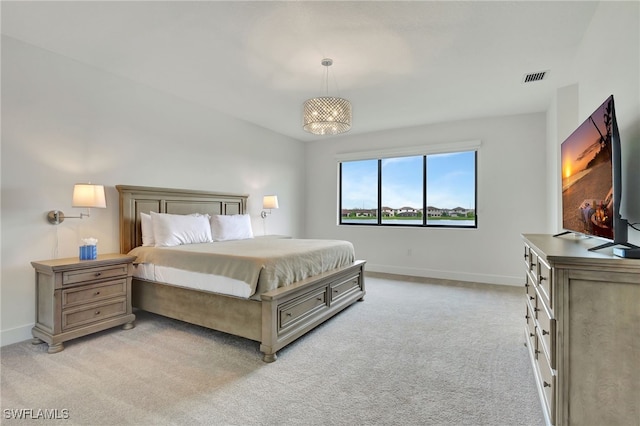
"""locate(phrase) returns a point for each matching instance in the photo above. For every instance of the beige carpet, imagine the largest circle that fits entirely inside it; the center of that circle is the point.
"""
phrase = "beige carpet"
(410, 354)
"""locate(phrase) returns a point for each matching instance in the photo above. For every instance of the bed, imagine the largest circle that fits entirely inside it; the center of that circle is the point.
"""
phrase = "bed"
(274, 316)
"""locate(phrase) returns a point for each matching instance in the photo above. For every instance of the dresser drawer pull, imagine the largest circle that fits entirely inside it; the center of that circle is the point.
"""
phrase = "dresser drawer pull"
(97, 293)
(527, 317)
(319, 299)
(531, 334)
(526, 255)
(288, 314)
(544, 332)
(546, 385)
(97, 274)
(541, 278)
(97, 313)
(536, 309)
(531, 297)
(526, 284)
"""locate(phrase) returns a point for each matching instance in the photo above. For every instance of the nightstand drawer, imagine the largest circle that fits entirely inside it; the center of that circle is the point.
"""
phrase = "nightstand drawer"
(88, 314)
(94, 293)
(90, 274)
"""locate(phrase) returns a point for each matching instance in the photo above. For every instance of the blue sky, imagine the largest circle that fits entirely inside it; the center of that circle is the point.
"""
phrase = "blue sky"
(450, 181)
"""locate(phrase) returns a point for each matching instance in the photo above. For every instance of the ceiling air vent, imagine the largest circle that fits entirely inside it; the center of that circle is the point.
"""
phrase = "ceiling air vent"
(534, 76)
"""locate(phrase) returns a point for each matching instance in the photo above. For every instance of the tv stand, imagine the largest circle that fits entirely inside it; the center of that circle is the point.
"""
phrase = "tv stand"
(613, 243)
(581, 331)
(563, 233)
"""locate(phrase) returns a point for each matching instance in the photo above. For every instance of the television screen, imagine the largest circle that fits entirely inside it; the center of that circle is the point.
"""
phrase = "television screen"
(588, 205)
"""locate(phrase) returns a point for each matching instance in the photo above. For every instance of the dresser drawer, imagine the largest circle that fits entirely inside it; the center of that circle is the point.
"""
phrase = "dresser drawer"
(344, 288)
(532, 265)
(91, 274)
(547, 332)
(302, 307)
(84, 315)
(530, 318)
(547, 383)
(527, 257)
(94, 293)
(544, 279)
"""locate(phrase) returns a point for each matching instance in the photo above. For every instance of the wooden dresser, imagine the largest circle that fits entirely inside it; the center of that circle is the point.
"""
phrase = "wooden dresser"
(78, 297)
(583, 330)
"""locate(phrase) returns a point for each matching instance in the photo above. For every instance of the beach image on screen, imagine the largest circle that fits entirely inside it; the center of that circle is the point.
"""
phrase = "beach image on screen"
(587, 176)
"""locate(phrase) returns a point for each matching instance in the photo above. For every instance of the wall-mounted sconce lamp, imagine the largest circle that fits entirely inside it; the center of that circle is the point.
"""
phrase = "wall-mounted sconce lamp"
(85, 195)
(269, 202)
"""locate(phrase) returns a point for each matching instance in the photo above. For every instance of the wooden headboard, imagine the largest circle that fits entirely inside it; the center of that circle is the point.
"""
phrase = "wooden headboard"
(143, 199)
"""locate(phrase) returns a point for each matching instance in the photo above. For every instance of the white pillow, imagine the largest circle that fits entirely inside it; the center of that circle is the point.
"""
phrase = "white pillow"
(231, 227)
(147, 230)
(176, 229)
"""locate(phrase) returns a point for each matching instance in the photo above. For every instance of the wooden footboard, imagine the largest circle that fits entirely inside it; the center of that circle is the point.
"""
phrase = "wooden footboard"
(281, 317)
(289, 312)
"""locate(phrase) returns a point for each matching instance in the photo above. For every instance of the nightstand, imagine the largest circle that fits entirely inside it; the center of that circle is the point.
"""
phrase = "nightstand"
(79, 297)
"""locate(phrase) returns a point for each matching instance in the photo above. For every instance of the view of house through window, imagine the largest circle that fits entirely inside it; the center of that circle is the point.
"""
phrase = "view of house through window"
(423, 190)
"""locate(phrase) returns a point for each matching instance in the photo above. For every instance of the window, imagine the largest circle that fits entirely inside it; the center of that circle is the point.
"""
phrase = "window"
(434, 190)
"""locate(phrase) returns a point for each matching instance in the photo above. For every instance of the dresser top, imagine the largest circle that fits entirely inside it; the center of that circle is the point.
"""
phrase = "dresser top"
(575, 249)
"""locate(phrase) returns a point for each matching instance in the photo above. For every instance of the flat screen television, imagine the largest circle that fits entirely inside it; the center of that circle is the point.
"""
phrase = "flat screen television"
(592, 179)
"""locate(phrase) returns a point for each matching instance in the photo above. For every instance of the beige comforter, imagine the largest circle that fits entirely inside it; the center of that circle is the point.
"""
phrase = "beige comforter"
(263, 263)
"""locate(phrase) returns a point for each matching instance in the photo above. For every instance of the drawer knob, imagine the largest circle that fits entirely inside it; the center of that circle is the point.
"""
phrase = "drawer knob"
(288, 314)
(531, 334)
(97, 293)
(541, 278)
(546, 385)
(527, 317)
(319, 299)
(531, 297)
(536, 309)
(97, 313)
(544, 332)
(98, 274)
(526, 255)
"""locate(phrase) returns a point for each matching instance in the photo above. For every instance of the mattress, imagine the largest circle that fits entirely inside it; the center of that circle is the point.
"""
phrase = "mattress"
(243, 268)
(194, 280)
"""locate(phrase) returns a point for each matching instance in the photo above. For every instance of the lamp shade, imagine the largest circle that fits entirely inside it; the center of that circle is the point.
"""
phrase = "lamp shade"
(327, 115)
(270, 202)
(89, 196)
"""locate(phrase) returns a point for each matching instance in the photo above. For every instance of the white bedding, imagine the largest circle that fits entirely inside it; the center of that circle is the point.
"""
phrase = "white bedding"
(230, 267)
(194, 280)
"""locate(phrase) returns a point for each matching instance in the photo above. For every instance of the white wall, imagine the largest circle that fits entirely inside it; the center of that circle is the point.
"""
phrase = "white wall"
(511, 201)
(63, 123)
(608, 62)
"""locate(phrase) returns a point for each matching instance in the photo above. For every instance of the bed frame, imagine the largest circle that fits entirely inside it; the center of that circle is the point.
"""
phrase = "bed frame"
(280, 317)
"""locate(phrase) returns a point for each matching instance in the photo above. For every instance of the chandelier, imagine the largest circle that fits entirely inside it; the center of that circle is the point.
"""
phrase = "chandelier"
(327, 115)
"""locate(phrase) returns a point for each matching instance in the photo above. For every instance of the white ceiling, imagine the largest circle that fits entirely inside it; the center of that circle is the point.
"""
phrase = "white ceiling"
(399, 63)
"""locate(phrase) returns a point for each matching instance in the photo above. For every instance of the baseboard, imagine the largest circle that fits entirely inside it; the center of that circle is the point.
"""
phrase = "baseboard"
(445, 275)
(15, 335)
